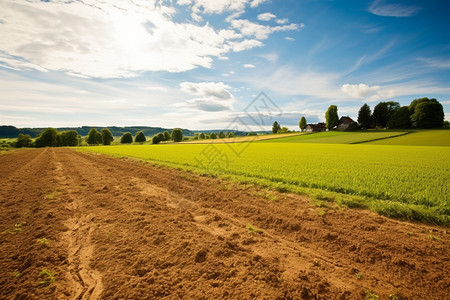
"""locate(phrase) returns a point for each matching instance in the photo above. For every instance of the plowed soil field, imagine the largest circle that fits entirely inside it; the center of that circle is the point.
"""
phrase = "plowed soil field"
(87, 226)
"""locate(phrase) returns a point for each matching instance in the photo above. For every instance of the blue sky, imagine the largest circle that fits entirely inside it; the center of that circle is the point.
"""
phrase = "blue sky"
(198, 64)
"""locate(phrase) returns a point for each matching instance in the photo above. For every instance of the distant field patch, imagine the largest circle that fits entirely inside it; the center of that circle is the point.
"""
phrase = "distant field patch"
(420, 138)
(336, 137)
(242, 139)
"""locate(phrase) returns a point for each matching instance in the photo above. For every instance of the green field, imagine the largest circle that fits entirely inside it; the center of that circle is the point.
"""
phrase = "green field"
(419, 138)
(405, 182)
(337, 137)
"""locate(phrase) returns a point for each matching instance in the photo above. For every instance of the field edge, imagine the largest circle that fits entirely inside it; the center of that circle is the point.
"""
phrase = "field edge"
(319, 197)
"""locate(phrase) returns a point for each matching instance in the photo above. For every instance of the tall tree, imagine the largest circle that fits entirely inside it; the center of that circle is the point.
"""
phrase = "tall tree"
(48, 138)
(221, 135)
(302, 124)
(69, 138)
(213, 136)
(107, 136)
(275, 127)
(428, 113)
(177, 135)
(380, 115)
(166, 136)
(202, 136)
(331, 116)
(23, 140)
(155, 139)
(99, 138)
(400, 119)
(92, 137)
(364, 116)
(383, 112)
(127, 138)
(140, 137)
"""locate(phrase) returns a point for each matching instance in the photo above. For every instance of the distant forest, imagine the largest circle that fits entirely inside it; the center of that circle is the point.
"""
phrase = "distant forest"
(7, 131)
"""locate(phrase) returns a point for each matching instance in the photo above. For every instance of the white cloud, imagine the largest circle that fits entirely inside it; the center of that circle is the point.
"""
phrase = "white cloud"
(248, 66)
(245, 45)
(383, 95)
(213, 96)
(380, 8)
(266, 16)
(290, 39)
(261, 32)
(358, 90)
(236, 7)
(282, 21)
(217, 90)
(256, 3)
(97, 39)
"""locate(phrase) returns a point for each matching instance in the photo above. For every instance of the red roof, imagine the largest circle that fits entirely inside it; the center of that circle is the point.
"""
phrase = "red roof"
(346, 120)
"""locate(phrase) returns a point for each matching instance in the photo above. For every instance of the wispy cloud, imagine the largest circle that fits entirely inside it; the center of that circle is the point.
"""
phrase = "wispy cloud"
(213, 96)
(266, 16)
(261, 32)
(381, 8)
(248, 66)
(435, 63)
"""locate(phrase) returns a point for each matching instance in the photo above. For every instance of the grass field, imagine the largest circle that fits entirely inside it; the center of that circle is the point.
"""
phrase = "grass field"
(337, 137)
(406, 182)
(241, 139)
(419, 138)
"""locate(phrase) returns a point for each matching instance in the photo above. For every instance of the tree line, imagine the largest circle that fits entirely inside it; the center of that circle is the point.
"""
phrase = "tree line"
(420, 113)
(50, 137)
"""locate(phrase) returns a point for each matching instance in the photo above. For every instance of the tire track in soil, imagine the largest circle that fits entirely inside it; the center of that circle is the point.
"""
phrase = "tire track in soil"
(86, 281)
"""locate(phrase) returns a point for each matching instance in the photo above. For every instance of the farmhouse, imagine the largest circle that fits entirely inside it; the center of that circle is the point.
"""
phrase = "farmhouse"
(343, 123)
(316, 127)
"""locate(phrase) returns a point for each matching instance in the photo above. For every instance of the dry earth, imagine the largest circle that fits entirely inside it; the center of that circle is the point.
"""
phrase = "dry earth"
(121, 229)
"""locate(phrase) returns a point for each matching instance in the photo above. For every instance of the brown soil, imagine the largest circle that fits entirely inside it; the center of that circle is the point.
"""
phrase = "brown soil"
(121, 229)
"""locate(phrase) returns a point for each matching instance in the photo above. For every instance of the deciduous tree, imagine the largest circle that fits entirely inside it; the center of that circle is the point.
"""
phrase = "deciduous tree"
(177, 135)
(302, 124)
(92, 137)
(48, 138)
(331, 116)
(107, 136)
(275, 127)
(127, 138)
(23, 140)
(364, 116)
(427, 113)
(400, 118)
(166, 136)
(140, 137)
